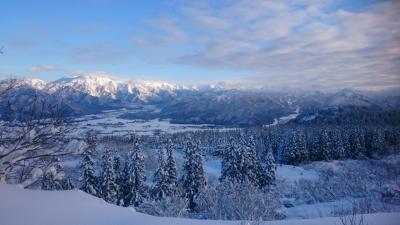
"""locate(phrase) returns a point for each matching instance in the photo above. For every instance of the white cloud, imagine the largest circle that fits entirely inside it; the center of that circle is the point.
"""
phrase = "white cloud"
(294, 42)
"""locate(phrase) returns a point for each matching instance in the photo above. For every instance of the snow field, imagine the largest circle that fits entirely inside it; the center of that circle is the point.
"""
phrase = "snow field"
(32, 207)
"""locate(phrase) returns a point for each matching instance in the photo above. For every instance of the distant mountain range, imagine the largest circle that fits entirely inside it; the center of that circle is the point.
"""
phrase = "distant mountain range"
(213, 104)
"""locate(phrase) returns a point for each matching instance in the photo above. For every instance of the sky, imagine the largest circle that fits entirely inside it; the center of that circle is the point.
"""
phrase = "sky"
(271, 43)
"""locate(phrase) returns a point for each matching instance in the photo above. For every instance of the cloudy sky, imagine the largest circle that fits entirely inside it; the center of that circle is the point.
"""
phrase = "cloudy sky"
(275, 43)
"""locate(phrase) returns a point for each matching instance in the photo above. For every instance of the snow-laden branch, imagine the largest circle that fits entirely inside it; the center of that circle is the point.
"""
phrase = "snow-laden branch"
(32, 138)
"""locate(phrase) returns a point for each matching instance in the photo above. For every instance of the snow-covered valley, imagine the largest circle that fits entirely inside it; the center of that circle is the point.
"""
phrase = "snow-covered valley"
(113, 122)
(205, 155)
(202, 112)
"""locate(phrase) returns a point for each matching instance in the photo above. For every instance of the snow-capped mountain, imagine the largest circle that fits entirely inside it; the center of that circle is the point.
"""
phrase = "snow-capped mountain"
(34, 83)
(223, 104)
(100, 85)
(94, 85)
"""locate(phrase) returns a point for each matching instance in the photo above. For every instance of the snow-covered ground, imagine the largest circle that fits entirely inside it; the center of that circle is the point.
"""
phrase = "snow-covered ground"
(20, 206)
(212, 167)
(285, 119)
(295, 173)
(290, 173)
(110, 122)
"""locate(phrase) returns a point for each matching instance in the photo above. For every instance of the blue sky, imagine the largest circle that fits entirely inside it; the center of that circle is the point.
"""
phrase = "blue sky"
(288, 43)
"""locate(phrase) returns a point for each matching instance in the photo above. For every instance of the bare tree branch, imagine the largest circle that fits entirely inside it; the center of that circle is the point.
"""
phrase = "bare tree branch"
(38, 134)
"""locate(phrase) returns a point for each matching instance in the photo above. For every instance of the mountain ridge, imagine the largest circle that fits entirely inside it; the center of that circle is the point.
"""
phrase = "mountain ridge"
(213, 104)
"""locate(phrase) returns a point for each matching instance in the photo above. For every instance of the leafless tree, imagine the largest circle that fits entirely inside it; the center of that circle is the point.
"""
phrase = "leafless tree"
(27, 144)
(352, 216)
(353, 219)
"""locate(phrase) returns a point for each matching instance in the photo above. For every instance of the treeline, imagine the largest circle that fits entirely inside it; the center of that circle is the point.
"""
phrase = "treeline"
(297, 144)
(294, 144)
(351, 115)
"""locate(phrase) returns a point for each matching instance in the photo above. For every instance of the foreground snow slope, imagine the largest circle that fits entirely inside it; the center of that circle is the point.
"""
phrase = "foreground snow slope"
(22, 207)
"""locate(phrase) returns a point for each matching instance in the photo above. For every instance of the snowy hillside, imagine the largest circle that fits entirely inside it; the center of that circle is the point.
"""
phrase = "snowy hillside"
(19, 206)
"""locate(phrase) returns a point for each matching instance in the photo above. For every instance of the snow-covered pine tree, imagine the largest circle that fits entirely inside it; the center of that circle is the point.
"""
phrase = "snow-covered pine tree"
(315, 146)
(119, 180)
(345, 142)
(378, 141)
(241, 164)
(160, 178)
(229, 165)
(193, 179)
(251, 165)
(270, 169)
(356, 143)
(171, 170)
(361, 137)
(109, 190)
(289, 148)
(54, 179)
(125, 185)
(137, 192)
(340, 147)
(374, 142)
(49, 181)
(296, 150)
(199, 170)
(326, 145)
(89, 180)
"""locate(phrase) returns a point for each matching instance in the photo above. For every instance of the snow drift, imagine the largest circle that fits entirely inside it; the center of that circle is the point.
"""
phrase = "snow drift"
(20, 206)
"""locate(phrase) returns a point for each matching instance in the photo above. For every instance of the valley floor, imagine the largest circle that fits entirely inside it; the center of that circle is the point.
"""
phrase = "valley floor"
(21, 206)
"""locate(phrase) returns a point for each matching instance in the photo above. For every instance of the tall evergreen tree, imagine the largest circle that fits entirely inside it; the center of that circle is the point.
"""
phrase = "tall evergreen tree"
(229, 164)
(160, 178)
(193, 179)
(125, 185)
(315, 146)
(296, 150)
(89, 180)
(345, 139)
(252, 165)
(109, 186)
(170, 170)
(356, 143)
(378, 141)
(240, 163)
(270, 169)
(326, 145)
(119, 180)
(137, 190)
(340, 149)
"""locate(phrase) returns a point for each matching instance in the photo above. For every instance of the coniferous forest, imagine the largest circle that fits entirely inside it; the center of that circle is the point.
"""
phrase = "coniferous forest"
(249, 159)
